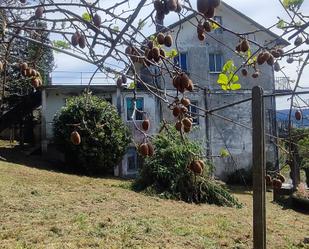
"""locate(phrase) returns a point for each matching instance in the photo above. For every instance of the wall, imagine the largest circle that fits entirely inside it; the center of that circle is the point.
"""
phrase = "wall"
(219, 133)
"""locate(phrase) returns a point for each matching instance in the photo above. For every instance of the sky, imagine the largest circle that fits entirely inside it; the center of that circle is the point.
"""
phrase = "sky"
(265, 12)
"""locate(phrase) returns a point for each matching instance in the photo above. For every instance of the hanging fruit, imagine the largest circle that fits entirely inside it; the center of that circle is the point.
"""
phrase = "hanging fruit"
(75, 138)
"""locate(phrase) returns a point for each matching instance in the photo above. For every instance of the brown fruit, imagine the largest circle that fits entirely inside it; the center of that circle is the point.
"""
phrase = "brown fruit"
(203, 6)
(74, 39)
(23, 66)
(185, 101)
(190, 87)
(33, 73)
(187, 122)
(82, 41)
(39, 12)
(298, 41)
(178, 126)
(275, 53)
(271, 60)
(176, 81)
(266, 56)
(24, 73)
(168, 40)
(184, 109)
(119, 82)
(1, 66)
(196, 167)
(201, 37)
(160, 38)
(210, 13)
(186, 129)
(238, 49)
(290, 60)
(176, 111)
(255, 75)
(150, 149)
(277, 184)
(149, 54)
(156, 54)
(201, 162)
(162, 53)
(35, 82)
(281, 178)
(97, 20)
(260, 59)
(129, 50)
(244, 72)
(298, 115)
(28, 72)
(143, 149)
(184, 80)
(75, 138)
(172, 5)
(124, 79)
(244, 46)
(158, 6)
(200, 29)
(277, 66)
(179, 7)
(146, 124)
(207, 26)
(280, 51)
(150, 44)
(160, 16)
(215, 3)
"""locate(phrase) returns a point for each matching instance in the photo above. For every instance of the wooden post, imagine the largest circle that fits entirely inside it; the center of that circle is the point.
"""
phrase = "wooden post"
(258, 151)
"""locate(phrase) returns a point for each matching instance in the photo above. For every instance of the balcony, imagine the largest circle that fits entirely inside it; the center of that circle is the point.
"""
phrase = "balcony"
(283, 84)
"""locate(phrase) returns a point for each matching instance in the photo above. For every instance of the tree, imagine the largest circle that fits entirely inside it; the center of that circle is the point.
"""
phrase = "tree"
(91, 134)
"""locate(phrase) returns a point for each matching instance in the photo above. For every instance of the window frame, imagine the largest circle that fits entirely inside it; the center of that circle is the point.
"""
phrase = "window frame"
(178, 61)
(132, 153)
(215, 63)
(128, 117)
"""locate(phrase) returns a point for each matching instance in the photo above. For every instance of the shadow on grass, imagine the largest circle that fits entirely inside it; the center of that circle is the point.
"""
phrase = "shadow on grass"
(18, 155)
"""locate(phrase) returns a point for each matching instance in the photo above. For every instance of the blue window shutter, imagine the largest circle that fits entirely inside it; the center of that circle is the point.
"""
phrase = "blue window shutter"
(212, 66)
(219, 62)
(183, 61)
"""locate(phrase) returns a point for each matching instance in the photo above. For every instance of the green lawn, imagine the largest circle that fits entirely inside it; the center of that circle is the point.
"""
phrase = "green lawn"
(45, 209)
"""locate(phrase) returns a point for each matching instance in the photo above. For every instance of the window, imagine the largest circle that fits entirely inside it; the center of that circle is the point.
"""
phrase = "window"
(139, 106)
(218, 19)
(194, 112)
(181, 61)
(215, 63)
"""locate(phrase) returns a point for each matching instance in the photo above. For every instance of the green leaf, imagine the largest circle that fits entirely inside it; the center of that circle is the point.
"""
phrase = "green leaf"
(224, 153)
(235, 78)
(61, 44)
(225, 87)
(141, 24)
(172, 54)
(228, 66)
(214, 26)
(281, 24)
(87, 17)
(132, 85)
(235, 86)
(116, 28)
(222, 79)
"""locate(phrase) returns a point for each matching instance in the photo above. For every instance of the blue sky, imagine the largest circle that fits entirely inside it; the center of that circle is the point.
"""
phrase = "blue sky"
(266, 12)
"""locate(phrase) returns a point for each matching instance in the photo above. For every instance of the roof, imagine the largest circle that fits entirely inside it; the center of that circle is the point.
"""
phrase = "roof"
(280, 40)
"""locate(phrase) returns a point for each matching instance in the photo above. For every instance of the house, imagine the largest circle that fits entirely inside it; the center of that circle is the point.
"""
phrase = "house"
(228, 129)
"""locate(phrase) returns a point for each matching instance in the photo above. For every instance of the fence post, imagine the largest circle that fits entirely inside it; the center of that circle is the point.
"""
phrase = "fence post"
(258, 151)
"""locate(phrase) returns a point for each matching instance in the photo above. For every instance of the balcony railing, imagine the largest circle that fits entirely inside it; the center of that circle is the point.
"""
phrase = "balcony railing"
(283, 84)
(79, 78)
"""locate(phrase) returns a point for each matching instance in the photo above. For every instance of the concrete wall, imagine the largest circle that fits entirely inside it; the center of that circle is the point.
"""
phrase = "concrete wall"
(220, 133)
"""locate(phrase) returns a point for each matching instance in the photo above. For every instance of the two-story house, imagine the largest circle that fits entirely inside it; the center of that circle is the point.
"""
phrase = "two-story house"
(229, 129)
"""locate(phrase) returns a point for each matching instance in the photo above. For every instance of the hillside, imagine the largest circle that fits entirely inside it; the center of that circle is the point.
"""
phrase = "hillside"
(40, 208)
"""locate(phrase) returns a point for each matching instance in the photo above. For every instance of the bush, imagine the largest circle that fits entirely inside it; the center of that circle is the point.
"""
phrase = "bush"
(167, 173)
(104, 137)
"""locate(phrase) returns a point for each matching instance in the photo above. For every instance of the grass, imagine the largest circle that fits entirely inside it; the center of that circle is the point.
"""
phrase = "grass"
(40, 208)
